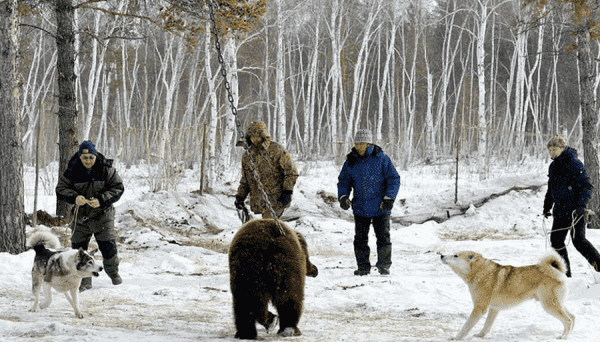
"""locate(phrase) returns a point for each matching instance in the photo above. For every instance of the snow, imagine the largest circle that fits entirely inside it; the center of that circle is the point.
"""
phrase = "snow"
(176, 279)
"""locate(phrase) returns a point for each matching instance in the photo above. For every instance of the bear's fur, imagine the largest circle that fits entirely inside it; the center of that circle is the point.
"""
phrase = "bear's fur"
(267, 266)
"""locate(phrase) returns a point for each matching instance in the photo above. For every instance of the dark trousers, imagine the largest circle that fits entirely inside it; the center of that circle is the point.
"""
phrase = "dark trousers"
(560, 228)
(381, 225)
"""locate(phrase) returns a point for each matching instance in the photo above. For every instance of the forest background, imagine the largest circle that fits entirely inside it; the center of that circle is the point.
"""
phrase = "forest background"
(433, 80)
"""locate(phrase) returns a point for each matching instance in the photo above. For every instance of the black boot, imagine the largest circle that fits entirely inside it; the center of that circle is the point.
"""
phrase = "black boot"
(86, 284)
(111, 266)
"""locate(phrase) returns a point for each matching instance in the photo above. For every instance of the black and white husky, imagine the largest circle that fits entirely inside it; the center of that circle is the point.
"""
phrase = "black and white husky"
(62, 270)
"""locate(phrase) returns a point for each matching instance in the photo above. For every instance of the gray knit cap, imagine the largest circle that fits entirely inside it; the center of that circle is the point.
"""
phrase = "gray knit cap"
(363, 136)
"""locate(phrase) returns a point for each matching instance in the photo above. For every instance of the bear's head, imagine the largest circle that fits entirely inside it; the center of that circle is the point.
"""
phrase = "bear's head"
(311, 270)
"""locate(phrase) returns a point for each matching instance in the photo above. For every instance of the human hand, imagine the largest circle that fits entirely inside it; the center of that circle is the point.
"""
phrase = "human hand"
(387, 204)
(94, 203)
(286, 197)
(239, 202)
(345, 202)
(547, 214)
(80, 200)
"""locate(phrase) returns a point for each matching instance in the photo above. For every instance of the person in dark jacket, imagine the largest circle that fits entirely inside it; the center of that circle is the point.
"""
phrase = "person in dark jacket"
(374, 181)
(92, 184)
(569, 190)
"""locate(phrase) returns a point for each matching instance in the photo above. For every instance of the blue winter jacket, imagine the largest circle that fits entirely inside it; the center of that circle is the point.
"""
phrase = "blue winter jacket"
(569, 186)
(372, 177)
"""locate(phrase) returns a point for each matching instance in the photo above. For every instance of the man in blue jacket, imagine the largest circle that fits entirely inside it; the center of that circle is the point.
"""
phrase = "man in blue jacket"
(369, 173)
(569, 190)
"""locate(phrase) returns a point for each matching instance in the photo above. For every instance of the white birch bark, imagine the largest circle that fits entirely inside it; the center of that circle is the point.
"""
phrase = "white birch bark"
(213, 113)
(334, 29)
(230, 59)
(280, 80)
(481, 109)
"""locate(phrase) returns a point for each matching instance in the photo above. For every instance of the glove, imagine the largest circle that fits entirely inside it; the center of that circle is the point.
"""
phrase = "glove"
(547, 214)
(80, 200)
(345, 202)
(94, 203)
(387, 204)
(239, 202)
(286, 197)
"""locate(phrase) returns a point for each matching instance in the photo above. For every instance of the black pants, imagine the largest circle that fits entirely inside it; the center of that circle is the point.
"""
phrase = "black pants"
(381, 225)
(560, 229)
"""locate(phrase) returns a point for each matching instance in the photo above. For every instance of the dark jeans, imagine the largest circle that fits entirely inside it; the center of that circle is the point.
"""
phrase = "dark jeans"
(381, 225)
(560, 229)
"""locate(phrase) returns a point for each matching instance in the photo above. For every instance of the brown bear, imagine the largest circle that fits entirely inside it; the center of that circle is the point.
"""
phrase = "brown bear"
(264, 266)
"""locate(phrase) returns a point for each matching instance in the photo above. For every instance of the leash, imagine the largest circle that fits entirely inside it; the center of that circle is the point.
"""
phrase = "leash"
(574, 221)
(74, 221)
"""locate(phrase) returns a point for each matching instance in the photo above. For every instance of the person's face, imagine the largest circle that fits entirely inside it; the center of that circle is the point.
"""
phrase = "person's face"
(255, 139)
(555, 151)
(87, 159)
(361, 148)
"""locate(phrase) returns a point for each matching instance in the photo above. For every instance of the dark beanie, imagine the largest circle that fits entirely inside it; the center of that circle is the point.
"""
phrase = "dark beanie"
(87, 145)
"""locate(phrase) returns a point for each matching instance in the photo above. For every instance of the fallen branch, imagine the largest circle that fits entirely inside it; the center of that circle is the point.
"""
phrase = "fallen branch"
(443, 214)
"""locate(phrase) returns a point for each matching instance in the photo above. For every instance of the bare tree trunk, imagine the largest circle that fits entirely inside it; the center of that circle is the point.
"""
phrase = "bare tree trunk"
(280, 118)
(229, 130)
(481, 111)
(67, 106)
(213, 112)
(12, 225)
(335, 72)
(589, 116)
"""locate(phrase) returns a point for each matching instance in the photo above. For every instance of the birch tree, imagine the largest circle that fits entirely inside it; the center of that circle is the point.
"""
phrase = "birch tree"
(12, 225)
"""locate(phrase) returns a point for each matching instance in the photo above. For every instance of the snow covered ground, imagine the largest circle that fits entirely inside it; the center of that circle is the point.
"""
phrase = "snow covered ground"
(176, 281)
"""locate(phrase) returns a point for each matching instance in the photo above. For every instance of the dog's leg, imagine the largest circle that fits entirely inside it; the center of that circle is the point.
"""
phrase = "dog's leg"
(74, 300)
(476, 314)
(553, 306)
(488, 323)
(36, 287)
(47, 296)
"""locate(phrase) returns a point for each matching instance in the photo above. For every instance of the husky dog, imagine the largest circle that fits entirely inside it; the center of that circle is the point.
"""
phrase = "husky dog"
(497, 287)
(62, 270)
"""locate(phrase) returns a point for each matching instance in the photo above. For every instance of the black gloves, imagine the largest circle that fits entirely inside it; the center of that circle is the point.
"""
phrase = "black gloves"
(345, 202)
(387, 204)
(286, 197)
(239, 203)
(547, 214)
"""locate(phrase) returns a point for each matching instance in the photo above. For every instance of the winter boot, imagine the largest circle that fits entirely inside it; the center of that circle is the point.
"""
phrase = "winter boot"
(111, 266)
(86, 284)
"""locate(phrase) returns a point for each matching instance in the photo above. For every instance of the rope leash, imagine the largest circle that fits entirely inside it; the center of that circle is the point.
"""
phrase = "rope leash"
(574, 220)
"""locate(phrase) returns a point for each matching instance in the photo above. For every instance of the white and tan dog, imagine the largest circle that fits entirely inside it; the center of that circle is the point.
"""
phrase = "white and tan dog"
(61, 270)
(497, 287)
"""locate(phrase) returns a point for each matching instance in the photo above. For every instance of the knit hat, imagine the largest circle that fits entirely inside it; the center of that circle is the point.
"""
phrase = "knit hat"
(89, 146)
(363, 136)
(557, 141)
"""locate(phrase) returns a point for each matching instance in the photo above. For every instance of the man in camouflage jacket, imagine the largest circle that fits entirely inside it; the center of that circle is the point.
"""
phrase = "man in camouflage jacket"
(277, 173)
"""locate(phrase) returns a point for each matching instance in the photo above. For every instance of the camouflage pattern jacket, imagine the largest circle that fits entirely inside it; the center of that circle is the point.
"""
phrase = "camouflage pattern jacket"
(276, 170)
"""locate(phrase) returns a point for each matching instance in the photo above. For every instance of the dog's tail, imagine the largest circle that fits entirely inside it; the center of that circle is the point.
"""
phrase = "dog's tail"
(43, 239)
(555, 261)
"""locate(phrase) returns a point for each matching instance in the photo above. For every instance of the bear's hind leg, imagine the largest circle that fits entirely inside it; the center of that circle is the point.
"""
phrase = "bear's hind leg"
(289, 316)
(245, 319)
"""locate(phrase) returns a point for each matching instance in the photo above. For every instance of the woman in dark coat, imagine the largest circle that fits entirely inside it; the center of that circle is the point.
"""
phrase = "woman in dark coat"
(93, 185)
(569, 190)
